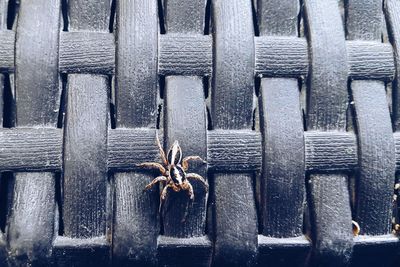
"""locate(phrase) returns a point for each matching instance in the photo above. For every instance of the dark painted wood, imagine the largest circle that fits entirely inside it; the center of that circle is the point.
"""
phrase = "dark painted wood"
(135, 223)
(185, 106)
(392, 11)
(234, 150)
(374, 202)
(85, 157)
(128, 147)
(185, 54)
(282, 181)
(31, 223)
(370, 60)
(326, 104)
(185, 121)
(87, 52)
(31, 149)
(7, 50)
(330, 151)
(278, 18)
(136, 69)
(235, 217)
(281, 56)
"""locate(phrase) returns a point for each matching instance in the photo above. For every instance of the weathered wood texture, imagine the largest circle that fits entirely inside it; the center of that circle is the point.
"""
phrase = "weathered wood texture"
(235, 217)
(298, 135)
(376, 179)
(327, 102)
(31, 223)
(135, 221)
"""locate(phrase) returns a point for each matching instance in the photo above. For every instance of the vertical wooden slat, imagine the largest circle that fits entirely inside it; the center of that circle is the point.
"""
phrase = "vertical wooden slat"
(135, 224)
(326, 110)
(30, 229)
(375, 181)
(235, 218)
(85, 169)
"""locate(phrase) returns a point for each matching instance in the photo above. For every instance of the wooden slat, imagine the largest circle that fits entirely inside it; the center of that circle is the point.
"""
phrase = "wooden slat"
(7, 51)
(87, 52)
(31, 223)
(327, 104)
(370, 60)
(30, 149)
(330, 151)
(234, 150)
(281, 56)
(136, 93)
(181, 54)
(235, 216)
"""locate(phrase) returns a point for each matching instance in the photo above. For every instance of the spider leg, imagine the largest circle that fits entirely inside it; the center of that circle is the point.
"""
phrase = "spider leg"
(162, 153)
(197, 177)
(153, 165)
(185, 161)
(163, 196)
(155, 180)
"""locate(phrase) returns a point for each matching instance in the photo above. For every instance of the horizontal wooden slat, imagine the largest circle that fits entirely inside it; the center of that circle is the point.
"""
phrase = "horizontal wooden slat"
(194, 251)
(30, 149)
(7, 45)
(281, 56)
(234, 150)
(185, 54)
(330, 151)
(128, 147)
(370, 60)
(87, 52)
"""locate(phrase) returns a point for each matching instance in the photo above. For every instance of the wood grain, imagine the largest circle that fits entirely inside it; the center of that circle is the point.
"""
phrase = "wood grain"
(87, 52)
(7, 51)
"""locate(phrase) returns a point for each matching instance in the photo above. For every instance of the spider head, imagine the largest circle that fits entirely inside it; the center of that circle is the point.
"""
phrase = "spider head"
(174, 156)
(177, 174)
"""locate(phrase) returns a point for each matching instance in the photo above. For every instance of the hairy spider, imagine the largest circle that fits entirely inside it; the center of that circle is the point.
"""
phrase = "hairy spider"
(173, 171)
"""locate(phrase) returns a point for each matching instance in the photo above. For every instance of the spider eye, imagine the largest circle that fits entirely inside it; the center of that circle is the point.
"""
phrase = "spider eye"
(174, 154)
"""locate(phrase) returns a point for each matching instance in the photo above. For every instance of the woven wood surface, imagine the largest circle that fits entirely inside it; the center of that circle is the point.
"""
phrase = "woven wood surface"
(294, 104)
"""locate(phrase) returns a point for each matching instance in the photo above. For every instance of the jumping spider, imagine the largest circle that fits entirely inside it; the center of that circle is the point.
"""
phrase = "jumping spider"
(173, 171)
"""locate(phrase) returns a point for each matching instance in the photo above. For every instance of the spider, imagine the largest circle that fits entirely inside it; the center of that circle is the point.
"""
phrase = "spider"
(173, 172)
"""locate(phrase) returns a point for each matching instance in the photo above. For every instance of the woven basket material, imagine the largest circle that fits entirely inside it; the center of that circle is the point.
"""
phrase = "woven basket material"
(293, 104)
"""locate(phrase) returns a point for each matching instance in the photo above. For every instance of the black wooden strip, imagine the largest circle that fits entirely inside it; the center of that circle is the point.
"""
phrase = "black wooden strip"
(31, 223)
(7, 51)
(30, 149)
(184, 17)
(327, 104)
(181, 54)
(135, 222)
(278, 18)
(376, 179)
(90, 252)
(370, 60)
(234, 150)
(283, 251)
(195, 251)
(281, 56)
(128, 147)
(330, 151)
(367, 247)
(87, 52)
(233, 79)
(85, 156)
(185, 121)
(89, 15)
(377, 158)
(364, 20)
(235, 217)
(392, 11)
(283, 158)
(136, 59)
(396, 137)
